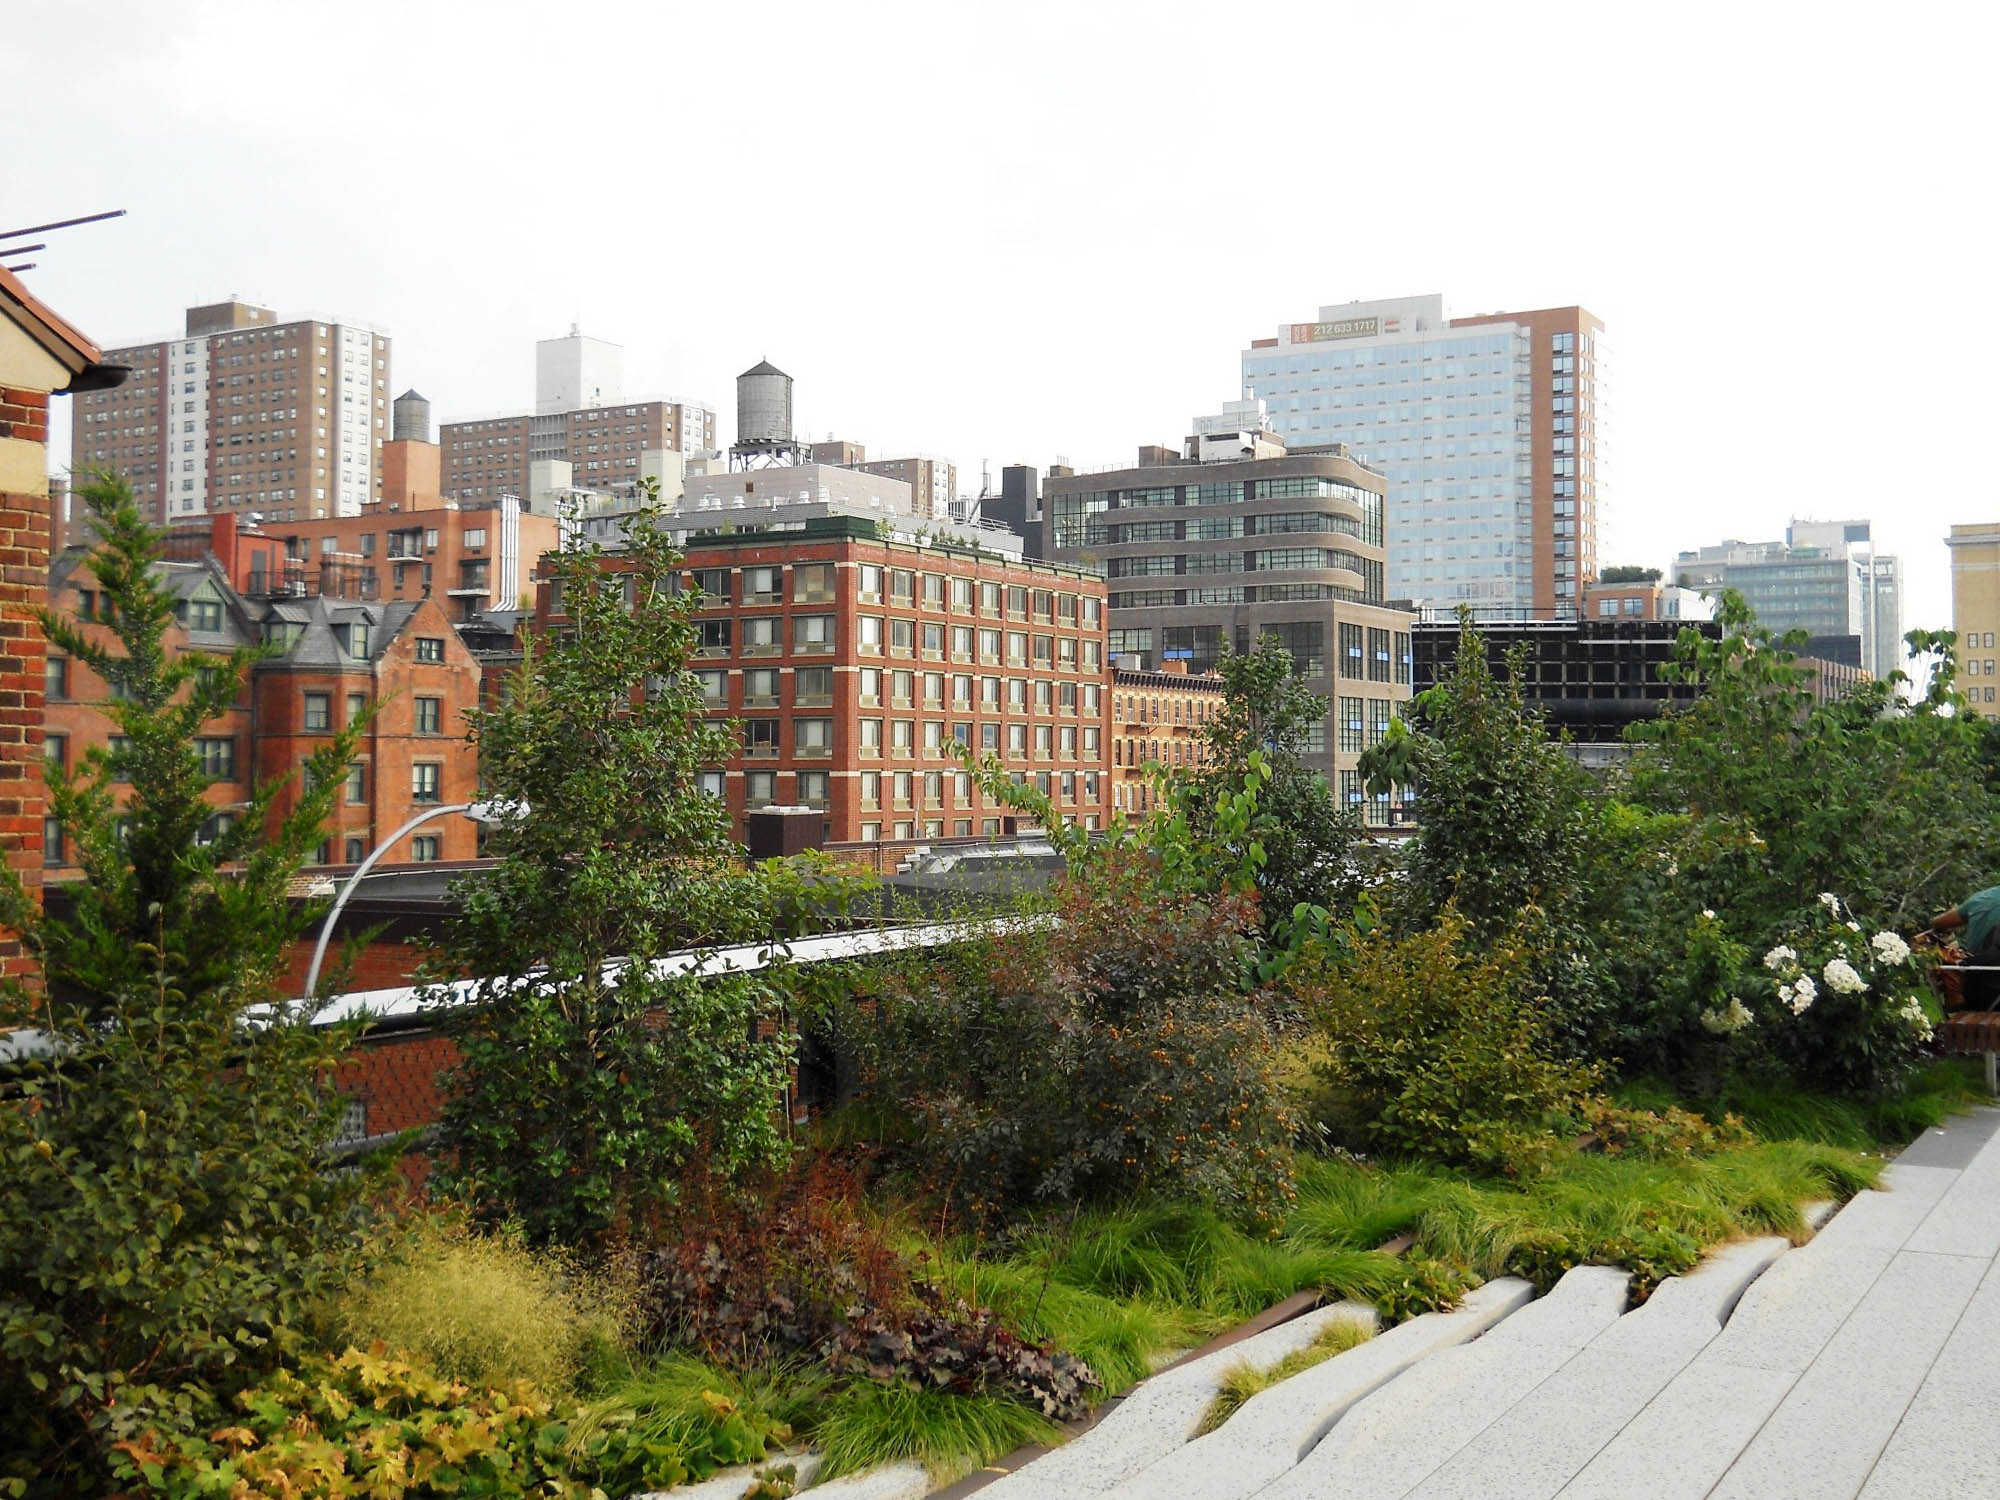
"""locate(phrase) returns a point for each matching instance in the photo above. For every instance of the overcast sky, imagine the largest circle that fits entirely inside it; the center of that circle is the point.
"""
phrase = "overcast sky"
(1000, 234)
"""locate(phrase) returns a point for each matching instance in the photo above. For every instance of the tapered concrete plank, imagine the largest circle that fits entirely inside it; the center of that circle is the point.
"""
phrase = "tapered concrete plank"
(1827, 1434)
(1786, 1317)
(1578, 1308)
(1678, 1443)
(1966, 1220)
(1885, 1219)
(1686, 1312)
(1948, 1443)
(731, 1483)
(1159, 1415)
(1275, 1428)
(891, 1482)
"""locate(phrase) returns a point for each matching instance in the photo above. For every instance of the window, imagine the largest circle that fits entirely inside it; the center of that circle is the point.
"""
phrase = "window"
(202, 614)
(989, 598)
(933, 641)
(868, 635)
(55, 749)
(868, 583)
(475, 540)
(714, 638)
(902, 586)
(430, 648)
(871, 738)
(812, 737)
(760, 738)
(902, 736)
(357, 782)
(902, 637)
(1378, 656)
(961, 595)
(430, 715)
(812, 634)
(760, 788)
(812, 583)
(357, 707)
(1017, 741)
(55, 677)
(425, 847)
(871, 687)
(760, 635)
(989, 739)
(1351, 660)
(714, 688)
(426, 782)
(356, 851)
(812, 789)
(812, 687)
(52, 841)
(218, 758)
(871, 788)
(712, 584)
(318, 712)
(761, 585)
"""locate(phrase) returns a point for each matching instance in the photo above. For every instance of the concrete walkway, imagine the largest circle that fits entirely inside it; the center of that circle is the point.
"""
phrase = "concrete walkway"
(1864, 1363)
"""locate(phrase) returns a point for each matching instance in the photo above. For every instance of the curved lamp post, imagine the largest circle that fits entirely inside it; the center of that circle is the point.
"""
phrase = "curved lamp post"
(478, 812)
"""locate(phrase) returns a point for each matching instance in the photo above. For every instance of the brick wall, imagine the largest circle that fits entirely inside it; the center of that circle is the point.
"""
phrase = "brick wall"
(24, 564)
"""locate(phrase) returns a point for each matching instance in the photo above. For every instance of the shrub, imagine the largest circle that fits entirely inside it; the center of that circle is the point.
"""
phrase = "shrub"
(483, 1309)
(1115, 1050)
(948, 1435)
(1440, 1051)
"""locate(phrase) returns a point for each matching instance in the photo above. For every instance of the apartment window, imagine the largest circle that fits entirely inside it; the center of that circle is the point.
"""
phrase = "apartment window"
(902, 637)
(902, 736)
(425, 848)
(933, 641)
(989, 739)
(1017, 603)
(933, 586)
(760, 788)
(760, 738)
(989, 645)
(900, 788)
(118, 750)
(1066, 742)
(1044, 741)
(1017, 648)
(871, 687)
(761, 585)
(871, 789)
(989, 694)
(318, 712)
(812, 634)
(714, 688)
(1017, 695)
(712, 584)
(475, 540)
(812, 583)
(55, 678)
(933, 689)
(713, 638)
(1044, 695)
(902, 586)
(868, 635)
(812, 687)
(1352, 661)
(1378, 720)
(1402, 650)
(989, 598)
(933, 738)
(868, 583)
(812, 787)
(961, 643)
(430, 648)
(760, 635)
(812, 737)
(1017, 740)
(202, 614)
(55, 749)
(961, 595)
(357, 782)
(426, 781)
(961, 692)
(1045, 648)
(871, 738)
(355, 851)
(1378, 656)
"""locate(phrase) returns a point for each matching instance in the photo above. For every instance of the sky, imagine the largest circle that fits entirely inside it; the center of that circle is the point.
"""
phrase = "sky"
(1029, 232)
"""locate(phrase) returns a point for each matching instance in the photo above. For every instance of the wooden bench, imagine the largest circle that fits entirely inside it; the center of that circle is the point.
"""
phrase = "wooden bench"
(1969, 1033)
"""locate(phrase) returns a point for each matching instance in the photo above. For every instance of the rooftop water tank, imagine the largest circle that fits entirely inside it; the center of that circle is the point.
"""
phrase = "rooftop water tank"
(410, 421)
(763, 405)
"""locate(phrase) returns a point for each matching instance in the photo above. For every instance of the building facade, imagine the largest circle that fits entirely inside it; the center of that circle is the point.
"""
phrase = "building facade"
(244, 414)
(1644, 600)
(1487, 430)
(1158, 718)
(1824, 578)
(1975, 612)
(1199, 556)
(332, 662)
(933, 482)
(857, 660)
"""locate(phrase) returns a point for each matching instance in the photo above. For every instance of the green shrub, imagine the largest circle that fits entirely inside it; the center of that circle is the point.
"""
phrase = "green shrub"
(704, 1415)
(949, 1435)
(1115, 1051)
(484, 1309)
(1441, 1051)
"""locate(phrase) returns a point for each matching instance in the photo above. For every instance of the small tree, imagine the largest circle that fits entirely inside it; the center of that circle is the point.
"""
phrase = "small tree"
(593, 1075)
(164, 1213)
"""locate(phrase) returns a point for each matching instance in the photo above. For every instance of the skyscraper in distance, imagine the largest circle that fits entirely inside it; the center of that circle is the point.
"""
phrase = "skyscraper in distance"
(1486, 430)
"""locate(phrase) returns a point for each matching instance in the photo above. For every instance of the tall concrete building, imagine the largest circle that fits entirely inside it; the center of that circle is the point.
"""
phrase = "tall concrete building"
(1242, 539)
(1975, 611)
(933, 482)
(1486, 430)
(244, 413)
(1824, 578)
(582, 418)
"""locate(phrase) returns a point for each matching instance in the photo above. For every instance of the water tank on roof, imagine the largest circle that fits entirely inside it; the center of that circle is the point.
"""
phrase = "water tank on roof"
(763, 405)
(411, 419)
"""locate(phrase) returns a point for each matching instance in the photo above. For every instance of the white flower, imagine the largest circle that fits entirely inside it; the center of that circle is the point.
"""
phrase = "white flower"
(1708, 914)
(1830, 901)
(1841, 977)
(1799, 996)
(1780, 957)
(1889, 948)
(1734, 1017)
(1912, 1012)
(1853, 926)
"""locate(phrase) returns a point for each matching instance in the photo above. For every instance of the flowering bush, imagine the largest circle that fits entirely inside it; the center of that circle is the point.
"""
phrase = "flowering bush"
(1831, 1003)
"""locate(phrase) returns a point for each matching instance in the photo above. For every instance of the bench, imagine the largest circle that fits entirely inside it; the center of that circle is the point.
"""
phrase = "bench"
(1970, 1033)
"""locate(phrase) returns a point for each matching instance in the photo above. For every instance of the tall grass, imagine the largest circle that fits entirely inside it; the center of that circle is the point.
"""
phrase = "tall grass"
(949, 1435)
(1241, 1382)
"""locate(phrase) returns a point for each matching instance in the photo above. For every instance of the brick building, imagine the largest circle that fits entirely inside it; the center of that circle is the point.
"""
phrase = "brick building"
(40, 355)
(854, 654)
(331, 661)
(1157, 718)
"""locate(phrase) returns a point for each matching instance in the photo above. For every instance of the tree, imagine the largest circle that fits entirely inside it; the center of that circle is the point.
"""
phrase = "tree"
(593, 1076)
(165, 1217)
(1308, 839)
(1629, 574)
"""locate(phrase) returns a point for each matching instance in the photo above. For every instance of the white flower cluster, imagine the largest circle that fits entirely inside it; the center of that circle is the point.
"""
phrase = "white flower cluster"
(1722, 1020)
(1707, 914)
(1889, 948)
(1830, 901)
(1800, 994)
(1842, 978)
(1780, 958)
(1912, 1011)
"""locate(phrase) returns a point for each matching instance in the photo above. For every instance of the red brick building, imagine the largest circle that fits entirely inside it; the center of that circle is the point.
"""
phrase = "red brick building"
(40, 355)
(1157, 718)
(332, 660)
(856, 658)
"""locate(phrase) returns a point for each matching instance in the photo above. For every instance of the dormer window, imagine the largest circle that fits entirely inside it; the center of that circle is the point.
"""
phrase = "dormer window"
(356, 642)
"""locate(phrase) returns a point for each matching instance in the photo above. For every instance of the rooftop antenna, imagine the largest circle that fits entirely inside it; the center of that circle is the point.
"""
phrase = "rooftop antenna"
(23, 233)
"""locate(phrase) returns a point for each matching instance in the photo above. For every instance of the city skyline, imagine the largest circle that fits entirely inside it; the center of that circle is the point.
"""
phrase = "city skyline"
(1008, 314)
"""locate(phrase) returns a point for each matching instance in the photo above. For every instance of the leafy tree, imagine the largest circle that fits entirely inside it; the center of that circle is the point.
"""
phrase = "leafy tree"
(1308, 839)
(1629, 574)
(594, 1075)
(164, 1214)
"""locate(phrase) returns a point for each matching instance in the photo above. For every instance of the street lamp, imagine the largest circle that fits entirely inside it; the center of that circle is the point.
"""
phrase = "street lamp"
(479, 812)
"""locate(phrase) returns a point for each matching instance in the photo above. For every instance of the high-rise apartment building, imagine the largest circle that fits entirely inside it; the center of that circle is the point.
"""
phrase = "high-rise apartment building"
(1486, 430)
(582, 418)
(1240, 540)
(1975, 611)
(243, 413)
(1825, 578)
(933, 482)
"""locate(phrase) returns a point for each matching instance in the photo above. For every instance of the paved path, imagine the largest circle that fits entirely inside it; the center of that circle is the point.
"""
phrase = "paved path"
(1864, 1363)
